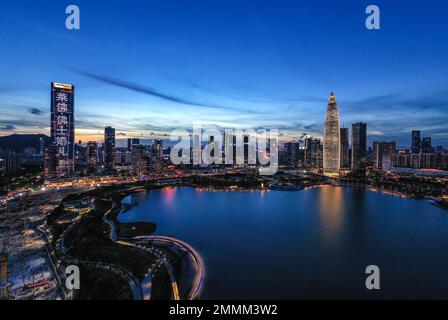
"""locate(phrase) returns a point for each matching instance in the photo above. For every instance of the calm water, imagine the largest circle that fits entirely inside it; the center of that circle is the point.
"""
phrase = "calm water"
(314, 243)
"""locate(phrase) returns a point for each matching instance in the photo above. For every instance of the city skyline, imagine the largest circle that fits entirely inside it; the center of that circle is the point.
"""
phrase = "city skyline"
(151, 72)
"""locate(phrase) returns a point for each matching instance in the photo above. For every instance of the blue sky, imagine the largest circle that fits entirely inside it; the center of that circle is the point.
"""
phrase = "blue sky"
(146, 67)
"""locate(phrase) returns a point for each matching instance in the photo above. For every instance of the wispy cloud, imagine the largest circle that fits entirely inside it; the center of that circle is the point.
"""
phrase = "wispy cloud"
(8, 127)
(155, 93)
(35, 111)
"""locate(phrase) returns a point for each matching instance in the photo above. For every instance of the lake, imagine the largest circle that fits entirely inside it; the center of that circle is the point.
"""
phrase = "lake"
(314, 243)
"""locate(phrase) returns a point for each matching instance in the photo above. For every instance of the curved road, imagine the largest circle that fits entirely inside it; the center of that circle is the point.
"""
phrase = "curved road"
(199, 265)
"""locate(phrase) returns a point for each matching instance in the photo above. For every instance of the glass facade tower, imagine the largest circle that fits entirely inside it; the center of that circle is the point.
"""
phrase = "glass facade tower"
(332, 139)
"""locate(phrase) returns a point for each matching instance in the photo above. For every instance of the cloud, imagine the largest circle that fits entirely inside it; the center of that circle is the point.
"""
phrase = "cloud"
(8, 127)
(35, 111)
(121, 134)
(154, 92)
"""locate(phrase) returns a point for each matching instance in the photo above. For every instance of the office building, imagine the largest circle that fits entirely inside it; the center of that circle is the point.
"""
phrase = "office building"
(345, 160)
(416, 141)
(313, 152)
(109, 148)
(92, 156)
(382, 151)
(63, 126)
(332, 141)
(426, 145)
(359, 144)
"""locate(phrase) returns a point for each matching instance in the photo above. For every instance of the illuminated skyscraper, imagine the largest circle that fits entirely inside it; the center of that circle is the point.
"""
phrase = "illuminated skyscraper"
(63, 127)
(345, 162)
(109, 148)
(140, 160)
(157, 155)
(92, 156)
(359, 144)
(382, 150)
(313, 152)
(133, 142)
(332, 140)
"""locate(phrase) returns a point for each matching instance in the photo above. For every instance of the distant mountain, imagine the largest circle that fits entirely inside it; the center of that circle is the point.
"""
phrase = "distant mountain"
(18, 142)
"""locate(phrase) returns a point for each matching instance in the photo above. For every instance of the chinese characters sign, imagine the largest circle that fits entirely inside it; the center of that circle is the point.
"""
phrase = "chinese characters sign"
(62, 122)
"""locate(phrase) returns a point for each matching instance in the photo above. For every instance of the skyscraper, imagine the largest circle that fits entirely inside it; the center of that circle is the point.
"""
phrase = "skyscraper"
(157, 155)
(426, 145)
(332, 140)
(313, 152)
(381, 151)
(109, 148)
(63, 126)
(293, 152)
(345, 161)
(92, 156)
(416, 141)
(140, 160)
(133, 142)
(359, 143)
(41, 147)
(51, 160)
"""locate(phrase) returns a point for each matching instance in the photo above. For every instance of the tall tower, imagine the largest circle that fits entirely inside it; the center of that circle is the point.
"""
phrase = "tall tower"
(381, 150)
(359, 144)
(92, 156)
(344, 148)
(109, 148)
(332, 139)
(63, 127)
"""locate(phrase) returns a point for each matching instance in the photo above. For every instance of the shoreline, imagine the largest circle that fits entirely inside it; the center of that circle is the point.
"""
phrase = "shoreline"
(442, 204)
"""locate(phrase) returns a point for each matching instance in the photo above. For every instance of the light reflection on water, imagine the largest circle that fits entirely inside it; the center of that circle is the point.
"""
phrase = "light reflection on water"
(314, 243)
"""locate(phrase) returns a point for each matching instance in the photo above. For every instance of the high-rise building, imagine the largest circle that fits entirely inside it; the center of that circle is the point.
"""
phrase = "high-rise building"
(402, 159)
(109, 148)
(133, 142)
(416, 141)
(51, 160)
(140, 160)
(63, 126)
(157, 155)
(92, 156)
(359, 144)
(332, 140)
(293, 152)
(345, 161)
(313, 152)
(10, 163)
(41, 146)
(80, 153)
(383, 151)
(426, 145)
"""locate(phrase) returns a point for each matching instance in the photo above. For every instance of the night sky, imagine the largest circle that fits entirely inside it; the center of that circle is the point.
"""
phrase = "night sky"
(147, 67)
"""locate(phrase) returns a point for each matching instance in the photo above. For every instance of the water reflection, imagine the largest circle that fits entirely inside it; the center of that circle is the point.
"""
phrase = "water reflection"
(331, 209)
(168, 196)
(313, 243)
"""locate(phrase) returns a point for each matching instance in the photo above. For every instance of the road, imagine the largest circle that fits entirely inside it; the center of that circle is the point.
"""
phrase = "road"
(67, 259)
(199, 265)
